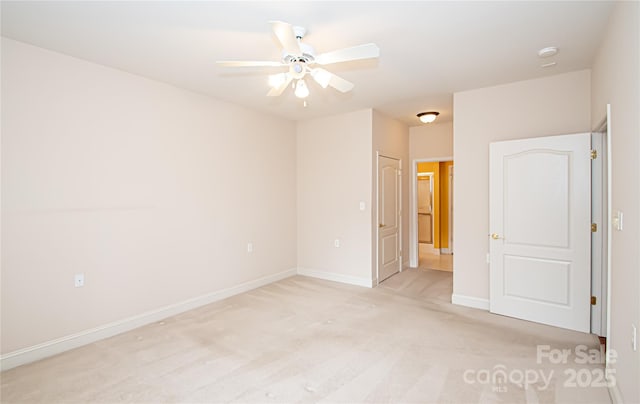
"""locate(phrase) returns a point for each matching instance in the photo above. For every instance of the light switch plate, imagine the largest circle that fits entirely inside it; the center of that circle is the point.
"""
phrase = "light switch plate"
(617, 220)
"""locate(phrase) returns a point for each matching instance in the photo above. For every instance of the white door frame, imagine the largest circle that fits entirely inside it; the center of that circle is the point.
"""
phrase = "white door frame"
(450, 179)
(377, 213)
(601, 274)
(606, 127)
(599, 237)
(413, 207)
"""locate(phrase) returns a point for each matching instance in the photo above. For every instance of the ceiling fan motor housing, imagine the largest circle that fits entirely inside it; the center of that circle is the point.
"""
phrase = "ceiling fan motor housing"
(297, 69)
(307, 55)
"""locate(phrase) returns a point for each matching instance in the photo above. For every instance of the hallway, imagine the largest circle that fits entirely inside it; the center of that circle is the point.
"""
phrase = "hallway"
(429, 260)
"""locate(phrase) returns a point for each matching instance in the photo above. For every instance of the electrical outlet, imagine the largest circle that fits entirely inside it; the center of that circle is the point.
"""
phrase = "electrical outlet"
(634, 337)
(362, 206)
(336, 243)
(249, 247)
(78, 280)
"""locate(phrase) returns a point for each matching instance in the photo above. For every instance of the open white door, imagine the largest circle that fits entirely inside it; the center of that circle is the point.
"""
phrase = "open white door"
(389, 259)
(540, 230)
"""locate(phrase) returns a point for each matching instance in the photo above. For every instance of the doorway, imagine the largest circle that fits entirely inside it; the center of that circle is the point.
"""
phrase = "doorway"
(431, 224)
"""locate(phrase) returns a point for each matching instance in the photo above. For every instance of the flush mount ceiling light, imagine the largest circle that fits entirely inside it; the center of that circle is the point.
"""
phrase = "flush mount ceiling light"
(428, 117)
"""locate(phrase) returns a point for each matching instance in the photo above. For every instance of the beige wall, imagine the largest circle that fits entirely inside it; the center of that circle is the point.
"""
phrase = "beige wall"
(542, 107)
(434, 140)
(334, 176)
(616, 80)
(391, 139)
(149, 190)
(152, 192)
(336, 171)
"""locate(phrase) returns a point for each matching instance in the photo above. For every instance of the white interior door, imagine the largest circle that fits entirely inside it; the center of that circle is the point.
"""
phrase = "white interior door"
(425, 208)
(389, 259)
(540, 225)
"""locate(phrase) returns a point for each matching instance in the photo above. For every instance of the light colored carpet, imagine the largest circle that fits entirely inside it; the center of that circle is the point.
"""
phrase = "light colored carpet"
(308, 340)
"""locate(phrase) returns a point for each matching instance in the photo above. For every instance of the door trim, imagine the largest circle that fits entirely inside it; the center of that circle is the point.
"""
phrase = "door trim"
(450, 174)
(413, 207)
(599, 238)
(605, 128)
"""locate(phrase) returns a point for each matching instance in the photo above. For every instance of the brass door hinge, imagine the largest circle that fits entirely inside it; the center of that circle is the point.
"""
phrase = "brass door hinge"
(594, 154)
(594, 227)
(593, 300)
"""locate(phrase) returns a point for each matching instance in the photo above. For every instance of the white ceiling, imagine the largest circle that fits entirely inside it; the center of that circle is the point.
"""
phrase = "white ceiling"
(428, 50)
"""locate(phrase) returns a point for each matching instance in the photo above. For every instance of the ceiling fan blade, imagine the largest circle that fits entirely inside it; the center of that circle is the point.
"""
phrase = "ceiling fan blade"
(325, 78)
(276, 91)
(286, 36)
(249, 63)
(366, 51)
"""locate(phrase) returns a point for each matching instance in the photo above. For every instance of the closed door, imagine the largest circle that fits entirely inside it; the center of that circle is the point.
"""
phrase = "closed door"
(389, 259)
(540, 230)
(425, 196)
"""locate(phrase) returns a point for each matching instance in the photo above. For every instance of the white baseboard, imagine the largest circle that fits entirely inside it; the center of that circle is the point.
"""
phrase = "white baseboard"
(66, 343)
(470, 301)
(614, 393)
(332, 276)
(445, 251)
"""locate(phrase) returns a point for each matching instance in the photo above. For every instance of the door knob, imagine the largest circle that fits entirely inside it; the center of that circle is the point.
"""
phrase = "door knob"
(381, 225)
(495, 236)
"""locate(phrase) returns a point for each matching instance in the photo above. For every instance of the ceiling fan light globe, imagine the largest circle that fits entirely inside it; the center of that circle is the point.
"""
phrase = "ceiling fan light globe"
(302, 91)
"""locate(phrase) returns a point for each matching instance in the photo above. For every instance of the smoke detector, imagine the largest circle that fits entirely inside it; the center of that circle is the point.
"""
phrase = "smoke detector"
(548, 52)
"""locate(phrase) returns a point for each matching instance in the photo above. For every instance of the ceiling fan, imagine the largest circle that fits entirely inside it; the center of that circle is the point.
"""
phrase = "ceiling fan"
(300, 58)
